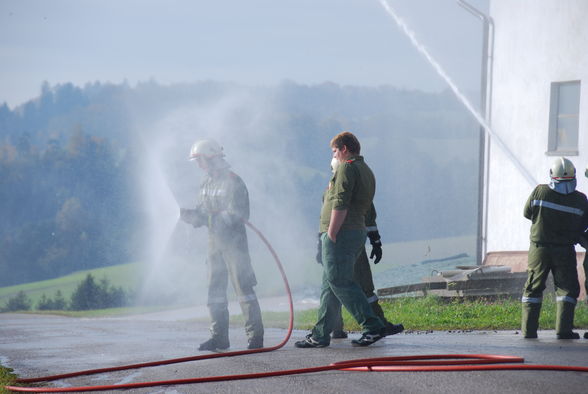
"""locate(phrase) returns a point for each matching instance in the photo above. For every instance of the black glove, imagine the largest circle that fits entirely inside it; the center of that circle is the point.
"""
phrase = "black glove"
(374, 237)
(319, 250)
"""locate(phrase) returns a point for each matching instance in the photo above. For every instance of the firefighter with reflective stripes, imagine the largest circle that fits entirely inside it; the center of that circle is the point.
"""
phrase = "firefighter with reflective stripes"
(558, 214)
(223, 207)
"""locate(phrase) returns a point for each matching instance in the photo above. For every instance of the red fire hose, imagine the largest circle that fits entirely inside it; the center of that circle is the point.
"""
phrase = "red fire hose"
(422, 363)
(436, 363)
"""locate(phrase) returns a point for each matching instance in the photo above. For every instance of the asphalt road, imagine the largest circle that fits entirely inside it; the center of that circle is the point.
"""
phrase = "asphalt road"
(38, 345)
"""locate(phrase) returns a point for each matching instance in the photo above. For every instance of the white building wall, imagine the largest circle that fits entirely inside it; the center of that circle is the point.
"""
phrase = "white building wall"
(536, 42)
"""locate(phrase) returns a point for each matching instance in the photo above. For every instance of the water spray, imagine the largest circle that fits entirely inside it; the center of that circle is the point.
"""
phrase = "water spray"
(423, 50)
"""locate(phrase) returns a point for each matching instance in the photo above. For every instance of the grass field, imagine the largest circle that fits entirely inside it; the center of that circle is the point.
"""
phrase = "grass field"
(6, 378)
(125, 275)
(437, 314)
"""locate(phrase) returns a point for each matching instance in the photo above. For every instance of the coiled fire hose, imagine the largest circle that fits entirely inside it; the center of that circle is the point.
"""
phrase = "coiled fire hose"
(419, 363)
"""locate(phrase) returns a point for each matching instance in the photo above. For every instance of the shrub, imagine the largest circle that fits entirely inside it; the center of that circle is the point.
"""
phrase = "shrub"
(92, 295)
(20, 302)
(53, 304)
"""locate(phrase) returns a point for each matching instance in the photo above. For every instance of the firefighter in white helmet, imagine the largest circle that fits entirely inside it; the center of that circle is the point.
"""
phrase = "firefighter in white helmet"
(558, 214)
(223, 206)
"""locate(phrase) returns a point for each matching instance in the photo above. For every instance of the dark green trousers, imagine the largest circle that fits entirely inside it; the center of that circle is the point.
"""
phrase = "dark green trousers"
(362, 274)
(561, 262)
(338, 287)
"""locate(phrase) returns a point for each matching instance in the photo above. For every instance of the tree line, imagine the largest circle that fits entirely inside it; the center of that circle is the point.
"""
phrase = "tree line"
(88, 295)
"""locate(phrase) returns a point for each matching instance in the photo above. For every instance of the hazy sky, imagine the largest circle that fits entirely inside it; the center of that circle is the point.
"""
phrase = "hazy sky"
(248, 41)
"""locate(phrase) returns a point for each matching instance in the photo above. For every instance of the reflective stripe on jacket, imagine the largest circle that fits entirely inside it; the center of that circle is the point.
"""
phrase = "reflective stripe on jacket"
(556, 218)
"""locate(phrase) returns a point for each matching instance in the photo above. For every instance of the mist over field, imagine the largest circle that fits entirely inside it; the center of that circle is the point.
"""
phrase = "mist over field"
(95, 175)
(96, 125)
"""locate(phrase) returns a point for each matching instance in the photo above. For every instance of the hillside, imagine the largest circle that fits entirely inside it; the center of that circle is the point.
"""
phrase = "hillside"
(94, 176)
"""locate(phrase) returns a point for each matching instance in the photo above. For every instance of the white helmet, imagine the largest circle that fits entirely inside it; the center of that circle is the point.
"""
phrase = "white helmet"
(206, 149)
(334, 164)
(562, 169)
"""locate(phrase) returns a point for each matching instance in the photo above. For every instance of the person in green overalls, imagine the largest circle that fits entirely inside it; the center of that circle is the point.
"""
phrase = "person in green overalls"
(558, 215)
(223, 206)
(342, 224)
(362, 272)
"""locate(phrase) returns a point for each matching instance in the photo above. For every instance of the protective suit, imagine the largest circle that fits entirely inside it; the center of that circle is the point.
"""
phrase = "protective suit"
(558, 214)
(223, 206)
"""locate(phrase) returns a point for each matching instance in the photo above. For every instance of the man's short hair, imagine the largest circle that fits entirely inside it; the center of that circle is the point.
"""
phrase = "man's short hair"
(347, 139)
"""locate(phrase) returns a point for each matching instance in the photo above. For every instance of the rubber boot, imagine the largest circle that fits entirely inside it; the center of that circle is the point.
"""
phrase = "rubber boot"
(530, 319)
(253, 323)
(219, 329)
(565, 321)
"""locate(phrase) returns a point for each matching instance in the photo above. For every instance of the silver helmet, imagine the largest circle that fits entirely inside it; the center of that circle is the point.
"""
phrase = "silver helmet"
(562, 169)
(207, 149)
